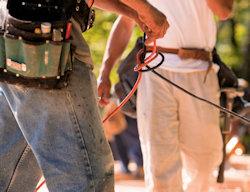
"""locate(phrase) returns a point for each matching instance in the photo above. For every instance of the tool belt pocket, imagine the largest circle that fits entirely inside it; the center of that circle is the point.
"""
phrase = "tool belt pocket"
(40, 63)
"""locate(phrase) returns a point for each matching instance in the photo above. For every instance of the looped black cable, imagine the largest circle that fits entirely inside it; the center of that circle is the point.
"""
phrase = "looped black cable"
(142, 57)
(152, 68)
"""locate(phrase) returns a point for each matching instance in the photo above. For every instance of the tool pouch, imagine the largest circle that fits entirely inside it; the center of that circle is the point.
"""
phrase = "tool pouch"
(227, 79)
(40, 61)
(226, 76)
(34, 60)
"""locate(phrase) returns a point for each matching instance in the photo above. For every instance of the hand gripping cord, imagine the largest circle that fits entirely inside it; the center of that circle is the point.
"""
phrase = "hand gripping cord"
(143, 62)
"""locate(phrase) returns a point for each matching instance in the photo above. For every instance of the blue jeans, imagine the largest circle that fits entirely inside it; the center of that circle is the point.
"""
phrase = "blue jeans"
(58, 134)
(127, 145)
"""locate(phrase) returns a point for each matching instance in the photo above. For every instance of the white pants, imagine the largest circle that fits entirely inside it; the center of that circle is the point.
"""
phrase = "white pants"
(177, 130)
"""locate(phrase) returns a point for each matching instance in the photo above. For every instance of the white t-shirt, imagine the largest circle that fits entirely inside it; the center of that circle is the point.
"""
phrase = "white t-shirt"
(192, 25)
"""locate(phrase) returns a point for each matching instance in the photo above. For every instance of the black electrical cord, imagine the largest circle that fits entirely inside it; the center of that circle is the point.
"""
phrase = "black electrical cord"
(142, 56)
(199, 98)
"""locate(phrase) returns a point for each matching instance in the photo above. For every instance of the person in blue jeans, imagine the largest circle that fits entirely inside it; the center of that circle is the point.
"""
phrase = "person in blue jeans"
(122, 134)
(126, 147)
(59, 133)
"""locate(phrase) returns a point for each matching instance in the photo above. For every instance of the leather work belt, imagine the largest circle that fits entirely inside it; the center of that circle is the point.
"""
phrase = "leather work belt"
(186, 53)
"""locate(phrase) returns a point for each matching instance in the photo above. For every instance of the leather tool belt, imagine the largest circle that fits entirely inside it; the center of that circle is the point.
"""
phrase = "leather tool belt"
(54, 10)
(32, 59)
(38, 59)
(186, 53)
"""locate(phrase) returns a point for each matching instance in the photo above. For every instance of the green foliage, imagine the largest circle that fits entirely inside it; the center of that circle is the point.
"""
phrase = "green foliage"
(233, 36)
(97, 38)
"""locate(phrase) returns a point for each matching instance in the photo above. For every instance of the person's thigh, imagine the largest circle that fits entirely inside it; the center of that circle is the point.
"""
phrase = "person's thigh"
(158, 123)
(65, 132)
(19, 168)
(199, 133)
(199, 121)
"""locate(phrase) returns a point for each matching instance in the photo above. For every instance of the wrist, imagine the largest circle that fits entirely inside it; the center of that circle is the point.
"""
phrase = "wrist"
(142, 6)
(144, 9)
(104, 71)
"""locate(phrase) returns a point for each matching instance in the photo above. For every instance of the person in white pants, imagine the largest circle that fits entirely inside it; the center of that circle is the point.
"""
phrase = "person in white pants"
(176, 130)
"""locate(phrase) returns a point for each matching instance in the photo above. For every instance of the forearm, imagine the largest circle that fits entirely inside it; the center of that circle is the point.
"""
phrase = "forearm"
(117, 42)
(115, 6)
(141, 6)
(122, 7)
(149, 19)
(155, 22)
(221, 8)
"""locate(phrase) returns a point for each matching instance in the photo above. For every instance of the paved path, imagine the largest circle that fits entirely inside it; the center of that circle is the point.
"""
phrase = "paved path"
(121, 186)
(236, 180)
(235, 185)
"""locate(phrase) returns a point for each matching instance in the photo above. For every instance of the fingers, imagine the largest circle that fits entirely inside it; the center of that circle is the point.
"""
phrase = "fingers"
(146, 29)
(151, 38)
(103, 91)
(155, 24)
(148, 32)
(103, 97)
(103, 103)
(140, 25)
(156, 33)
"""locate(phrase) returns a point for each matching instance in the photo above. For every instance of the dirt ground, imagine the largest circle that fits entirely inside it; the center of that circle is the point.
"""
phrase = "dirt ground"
(236, 178)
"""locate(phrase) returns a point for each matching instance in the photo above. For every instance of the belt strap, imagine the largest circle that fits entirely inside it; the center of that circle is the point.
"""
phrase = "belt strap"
(185, 53)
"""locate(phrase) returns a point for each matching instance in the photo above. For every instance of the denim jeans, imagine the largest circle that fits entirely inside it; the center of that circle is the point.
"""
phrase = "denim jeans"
(127, 145)
(55, 133)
